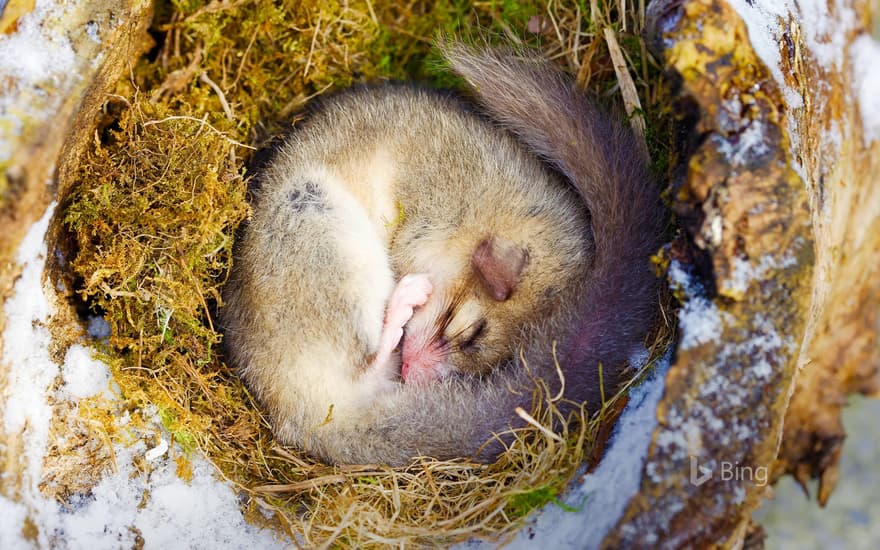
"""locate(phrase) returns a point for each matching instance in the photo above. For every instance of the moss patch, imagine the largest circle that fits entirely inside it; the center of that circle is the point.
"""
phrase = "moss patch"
(159, 195)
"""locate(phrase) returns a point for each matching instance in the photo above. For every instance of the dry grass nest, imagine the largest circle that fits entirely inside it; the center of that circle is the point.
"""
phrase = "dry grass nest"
(152, 215)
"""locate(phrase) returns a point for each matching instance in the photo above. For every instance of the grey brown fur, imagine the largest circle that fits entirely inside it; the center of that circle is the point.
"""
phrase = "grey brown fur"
(296, 321)
(619, 300)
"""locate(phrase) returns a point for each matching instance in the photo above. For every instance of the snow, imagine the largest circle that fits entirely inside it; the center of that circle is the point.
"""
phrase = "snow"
(763, 22)
(865, 54)
(134, 502)
(741, 277)
(174, 514)
(708, 430)
(35, 54)
(93, 32)
(157, 451)
(34, 61)
(98, 327)
(699, 320)
(744, 271)
(601, 496)
(825, 24)
(824, 35)
(82, 377)
(745, 147)
(30, 372)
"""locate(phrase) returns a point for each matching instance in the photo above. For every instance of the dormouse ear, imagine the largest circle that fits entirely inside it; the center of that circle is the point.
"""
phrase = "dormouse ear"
(499, 264)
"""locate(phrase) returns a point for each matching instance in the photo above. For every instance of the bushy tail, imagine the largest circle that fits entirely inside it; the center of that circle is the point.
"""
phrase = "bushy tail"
(602, 159)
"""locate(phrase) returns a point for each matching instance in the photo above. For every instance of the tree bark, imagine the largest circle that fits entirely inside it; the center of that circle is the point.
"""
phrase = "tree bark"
(782, 219)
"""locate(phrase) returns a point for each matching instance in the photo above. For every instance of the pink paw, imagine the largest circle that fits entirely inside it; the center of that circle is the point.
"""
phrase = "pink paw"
(411, 292)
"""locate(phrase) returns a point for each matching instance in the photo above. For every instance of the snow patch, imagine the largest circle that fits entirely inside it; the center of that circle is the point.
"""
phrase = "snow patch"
(768, 25)
(84, 376)
(825, 24)
(160, 509)
(35, 54)
(98, 328)
(865, 54)
(741, 277)
(825, 36)
(743, 272)
(745, 148)
(30, 372)
(700, 321)
(157, 451)
(93, 32)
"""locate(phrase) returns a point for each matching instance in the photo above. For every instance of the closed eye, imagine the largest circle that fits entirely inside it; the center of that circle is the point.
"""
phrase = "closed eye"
(469, 343)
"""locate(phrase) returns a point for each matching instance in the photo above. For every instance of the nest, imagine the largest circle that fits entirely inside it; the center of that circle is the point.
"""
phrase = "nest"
(151, 220)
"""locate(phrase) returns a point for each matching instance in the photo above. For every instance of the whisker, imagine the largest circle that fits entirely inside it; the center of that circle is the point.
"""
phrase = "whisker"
(451, 305)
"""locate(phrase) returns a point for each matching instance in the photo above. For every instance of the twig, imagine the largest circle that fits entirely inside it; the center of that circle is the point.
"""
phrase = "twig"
(299, 100)
(301, 486)
(372, 13)
(312, 47)
(558, 396)
(628, 91)
(203, 122)
(226, 109)
(528, 418)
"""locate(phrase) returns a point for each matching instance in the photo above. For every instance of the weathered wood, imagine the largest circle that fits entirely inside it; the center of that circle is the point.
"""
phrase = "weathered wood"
(841, 352)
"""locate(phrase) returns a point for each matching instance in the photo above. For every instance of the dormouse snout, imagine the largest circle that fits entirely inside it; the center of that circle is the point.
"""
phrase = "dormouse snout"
(423, 362)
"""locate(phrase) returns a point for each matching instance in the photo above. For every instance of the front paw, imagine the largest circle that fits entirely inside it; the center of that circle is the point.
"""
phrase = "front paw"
(411, 292)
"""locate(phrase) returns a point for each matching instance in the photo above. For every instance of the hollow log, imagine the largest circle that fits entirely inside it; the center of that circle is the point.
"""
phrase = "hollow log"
(777, 265)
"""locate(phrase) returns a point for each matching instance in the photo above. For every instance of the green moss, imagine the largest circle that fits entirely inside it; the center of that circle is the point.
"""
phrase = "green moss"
(182, 437)
(520, 505)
